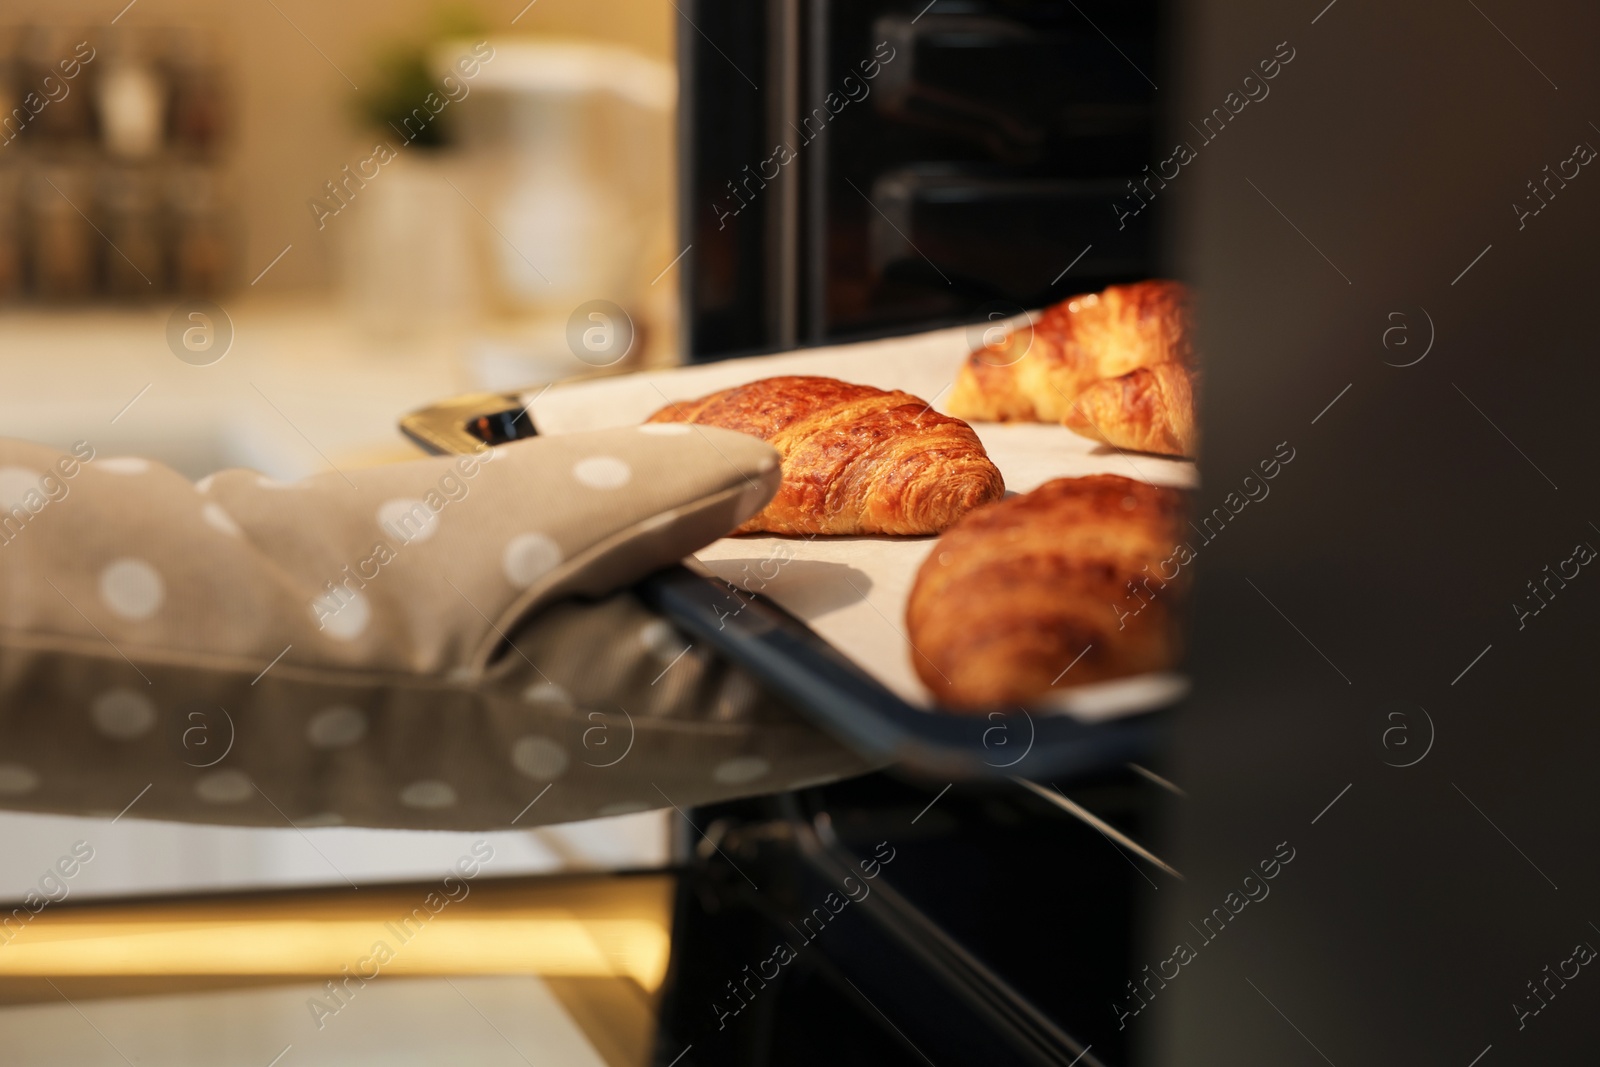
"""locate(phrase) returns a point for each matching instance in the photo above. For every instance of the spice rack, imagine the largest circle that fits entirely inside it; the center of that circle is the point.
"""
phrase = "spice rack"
(112, 148)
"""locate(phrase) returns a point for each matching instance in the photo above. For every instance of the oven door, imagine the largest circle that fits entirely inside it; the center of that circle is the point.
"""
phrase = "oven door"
(871, 168)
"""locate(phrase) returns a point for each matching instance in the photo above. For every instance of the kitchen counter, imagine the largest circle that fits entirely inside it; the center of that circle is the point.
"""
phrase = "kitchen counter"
(301, 387)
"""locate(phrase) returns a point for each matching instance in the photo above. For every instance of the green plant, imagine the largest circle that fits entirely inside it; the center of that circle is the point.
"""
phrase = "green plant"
(404, 81)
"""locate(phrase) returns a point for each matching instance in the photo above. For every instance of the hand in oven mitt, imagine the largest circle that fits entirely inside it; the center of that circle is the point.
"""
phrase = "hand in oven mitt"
(429, 644)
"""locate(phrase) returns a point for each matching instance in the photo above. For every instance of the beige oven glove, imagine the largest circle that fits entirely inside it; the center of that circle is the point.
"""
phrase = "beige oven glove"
(429, 644)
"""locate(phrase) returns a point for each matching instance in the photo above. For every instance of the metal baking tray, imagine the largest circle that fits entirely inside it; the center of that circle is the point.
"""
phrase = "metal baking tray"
(792, 660)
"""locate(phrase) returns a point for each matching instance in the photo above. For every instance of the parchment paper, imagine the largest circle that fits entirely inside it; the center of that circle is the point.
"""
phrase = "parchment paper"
(853, 590)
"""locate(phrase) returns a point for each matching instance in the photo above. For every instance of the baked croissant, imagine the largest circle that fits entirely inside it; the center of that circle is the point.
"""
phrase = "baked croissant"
(1035, 374)
(1078, 581)
(1147, 410)
(856, 460)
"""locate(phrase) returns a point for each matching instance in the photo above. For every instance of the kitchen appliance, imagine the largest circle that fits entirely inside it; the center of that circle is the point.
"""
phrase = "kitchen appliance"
(859, 170)
(855, 170)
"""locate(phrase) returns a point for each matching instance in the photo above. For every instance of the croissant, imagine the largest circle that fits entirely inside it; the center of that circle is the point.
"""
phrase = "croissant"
(1147, 410)
(1034, 374)
(1078, 581)
(856, 460)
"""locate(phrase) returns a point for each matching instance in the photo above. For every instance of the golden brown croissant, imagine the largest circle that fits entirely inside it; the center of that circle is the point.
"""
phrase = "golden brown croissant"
(1147, 410)
(1078, 581)
(856, 460)
(1034, 375)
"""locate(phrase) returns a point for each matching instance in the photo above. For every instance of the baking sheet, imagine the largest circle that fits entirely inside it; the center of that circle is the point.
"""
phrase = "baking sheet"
(853, 590)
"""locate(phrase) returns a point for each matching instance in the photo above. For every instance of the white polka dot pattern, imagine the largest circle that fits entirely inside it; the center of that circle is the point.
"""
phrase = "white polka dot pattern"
(199, 573)
(320, 820)
(548, 693)
(336, 727)
(15, 780)
(429, 795)
(740, 770)
(602, 472)
(224, 787)
(345, 620)
(122, 714)
(15, 485)
(132, 589)
(664, 643)
(408, 520)
(528, 558)
(539, 758)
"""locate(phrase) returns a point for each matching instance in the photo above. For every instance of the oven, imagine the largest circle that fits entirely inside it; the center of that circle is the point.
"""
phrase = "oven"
(852, 171)
(857, 170)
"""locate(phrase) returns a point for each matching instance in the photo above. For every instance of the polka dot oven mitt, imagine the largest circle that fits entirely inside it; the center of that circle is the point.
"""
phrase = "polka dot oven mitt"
(395, 646)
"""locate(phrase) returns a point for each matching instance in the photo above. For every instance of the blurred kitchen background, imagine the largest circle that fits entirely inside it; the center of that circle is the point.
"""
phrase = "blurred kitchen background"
(207, 258)
(411, 196)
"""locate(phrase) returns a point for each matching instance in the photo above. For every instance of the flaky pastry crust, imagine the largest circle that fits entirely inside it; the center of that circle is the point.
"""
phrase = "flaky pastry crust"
(1058, 587)
(856, 460)
(1035, 373)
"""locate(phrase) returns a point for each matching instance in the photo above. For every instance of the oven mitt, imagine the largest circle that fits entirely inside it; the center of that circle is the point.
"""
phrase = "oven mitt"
(424, 645)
